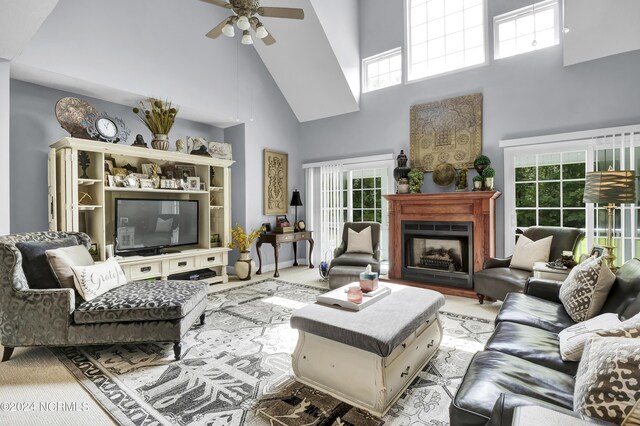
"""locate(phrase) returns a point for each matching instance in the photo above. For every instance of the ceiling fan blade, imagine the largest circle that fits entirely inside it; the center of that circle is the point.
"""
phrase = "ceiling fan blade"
(269, 40)
(281, 12)
(215, 33)
(221, 3)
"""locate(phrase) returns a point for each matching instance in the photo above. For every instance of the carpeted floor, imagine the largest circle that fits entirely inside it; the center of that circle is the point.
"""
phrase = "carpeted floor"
(236, 370)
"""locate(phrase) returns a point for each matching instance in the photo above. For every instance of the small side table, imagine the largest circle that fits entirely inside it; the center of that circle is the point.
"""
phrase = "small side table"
(276, 239)
(541, 270)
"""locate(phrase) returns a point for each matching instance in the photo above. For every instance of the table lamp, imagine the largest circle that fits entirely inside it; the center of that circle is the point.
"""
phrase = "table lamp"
(295, 202)
(611, 187)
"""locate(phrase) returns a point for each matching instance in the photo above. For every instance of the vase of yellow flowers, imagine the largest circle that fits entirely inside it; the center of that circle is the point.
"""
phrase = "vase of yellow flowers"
(159, 117)
(245, 266)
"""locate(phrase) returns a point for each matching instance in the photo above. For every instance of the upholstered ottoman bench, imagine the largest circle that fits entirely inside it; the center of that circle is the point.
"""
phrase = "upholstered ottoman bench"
(339, 276)
(368, 358)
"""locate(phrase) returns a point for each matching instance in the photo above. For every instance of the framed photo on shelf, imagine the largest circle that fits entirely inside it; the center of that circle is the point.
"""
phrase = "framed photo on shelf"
(167, 184)
(193, 183)
(146, 184)
(108, 166)
(119, 171)
(598, 251)
(184, 171)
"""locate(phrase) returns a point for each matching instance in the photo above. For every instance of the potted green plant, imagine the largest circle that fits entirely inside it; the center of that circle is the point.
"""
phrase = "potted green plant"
(477, 183)
(416, 178)
(245, 266)
(481, 162)
(488, 174)
(159, 117)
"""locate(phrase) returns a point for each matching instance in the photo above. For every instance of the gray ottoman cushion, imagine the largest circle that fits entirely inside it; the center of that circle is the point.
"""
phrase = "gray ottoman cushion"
(379, 328)
(342, 275)
(143, 301)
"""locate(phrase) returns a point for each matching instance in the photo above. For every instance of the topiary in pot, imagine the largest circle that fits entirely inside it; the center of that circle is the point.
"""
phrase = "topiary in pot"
(477, 183)
(481, 162)
(488, 174)
(416, 179)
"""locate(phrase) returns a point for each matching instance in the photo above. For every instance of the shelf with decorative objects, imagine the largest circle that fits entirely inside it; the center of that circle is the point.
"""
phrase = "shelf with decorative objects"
(86, 178)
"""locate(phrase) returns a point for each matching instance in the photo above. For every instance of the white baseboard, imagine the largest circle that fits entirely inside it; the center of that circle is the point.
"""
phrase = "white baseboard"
(231, 270)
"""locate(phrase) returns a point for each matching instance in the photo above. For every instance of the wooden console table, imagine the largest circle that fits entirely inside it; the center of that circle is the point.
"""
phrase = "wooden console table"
(276, 239)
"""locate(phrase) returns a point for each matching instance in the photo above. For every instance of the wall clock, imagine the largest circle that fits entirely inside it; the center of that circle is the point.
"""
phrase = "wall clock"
(101, 126)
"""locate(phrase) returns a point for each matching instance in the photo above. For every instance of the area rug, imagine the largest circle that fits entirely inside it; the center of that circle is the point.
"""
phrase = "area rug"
(236, 370)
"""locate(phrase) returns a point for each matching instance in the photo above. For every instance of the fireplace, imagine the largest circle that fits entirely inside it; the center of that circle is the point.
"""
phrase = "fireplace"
(438, 253)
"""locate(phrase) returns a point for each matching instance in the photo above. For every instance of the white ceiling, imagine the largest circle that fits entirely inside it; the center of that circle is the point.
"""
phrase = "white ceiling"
(122, 50)
(19, 21)
(600, 28)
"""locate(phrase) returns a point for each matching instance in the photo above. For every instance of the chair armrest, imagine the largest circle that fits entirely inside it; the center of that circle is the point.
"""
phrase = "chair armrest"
(376, 253)
(340, 250)
(505, 406)
(495, 262)
(36, 317)
(544, 289)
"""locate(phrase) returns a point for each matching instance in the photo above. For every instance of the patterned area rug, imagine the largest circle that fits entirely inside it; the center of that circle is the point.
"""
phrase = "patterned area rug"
(236, 370)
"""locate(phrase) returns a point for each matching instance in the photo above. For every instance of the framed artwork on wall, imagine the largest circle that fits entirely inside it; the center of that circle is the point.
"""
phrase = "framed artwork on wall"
(447, 131)
(276, 182)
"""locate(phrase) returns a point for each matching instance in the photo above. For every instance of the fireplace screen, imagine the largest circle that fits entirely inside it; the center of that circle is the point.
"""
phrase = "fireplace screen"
(440, 254)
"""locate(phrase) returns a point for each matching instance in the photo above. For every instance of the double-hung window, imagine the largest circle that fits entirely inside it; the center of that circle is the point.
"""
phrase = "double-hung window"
(382, 70)
(444, 36)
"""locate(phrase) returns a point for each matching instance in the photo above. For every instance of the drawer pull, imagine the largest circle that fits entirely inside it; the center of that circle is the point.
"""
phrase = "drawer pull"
(211, 259)
(182, 264)
(430, 344)
(404, 346)
(405, 372)
(145, 269)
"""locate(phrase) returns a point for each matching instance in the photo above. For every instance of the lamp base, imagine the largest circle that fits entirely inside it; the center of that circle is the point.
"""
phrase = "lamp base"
(610, 258)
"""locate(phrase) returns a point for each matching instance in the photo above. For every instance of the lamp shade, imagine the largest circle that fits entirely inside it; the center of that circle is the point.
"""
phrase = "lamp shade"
(295, 200)
(615, 187)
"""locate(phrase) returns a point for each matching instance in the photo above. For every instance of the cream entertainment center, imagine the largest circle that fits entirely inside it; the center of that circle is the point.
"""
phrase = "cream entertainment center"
(84, 192)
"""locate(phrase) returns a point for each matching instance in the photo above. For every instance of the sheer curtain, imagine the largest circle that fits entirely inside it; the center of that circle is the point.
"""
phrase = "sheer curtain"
(331, 207)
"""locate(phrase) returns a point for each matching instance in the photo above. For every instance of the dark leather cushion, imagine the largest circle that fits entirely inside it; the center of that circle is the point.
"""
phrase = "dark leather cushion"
(356, 259)
(544, 289)
(34, 261)
(491, 374)
(497, 282)
(539, 346)
(624, 296)
(564, 239)
(535, 312)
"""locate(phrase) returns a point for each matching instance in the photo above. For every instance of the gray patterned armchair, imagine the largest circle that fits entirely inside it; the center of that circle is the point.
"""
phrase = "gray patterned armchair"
(138, 312)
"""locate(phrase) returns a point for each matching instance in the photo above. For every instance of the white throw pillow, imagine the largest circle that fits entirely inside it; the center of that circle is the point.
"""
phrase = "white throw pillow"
(586, 288)
(573, 339)
(62, 259)
(527, 252)
(359, 242)
(92, 281)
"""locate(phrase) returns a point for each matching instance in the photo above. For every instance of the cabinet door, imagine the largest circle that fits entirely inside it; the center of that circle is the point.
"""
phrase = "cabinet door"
(52, 198)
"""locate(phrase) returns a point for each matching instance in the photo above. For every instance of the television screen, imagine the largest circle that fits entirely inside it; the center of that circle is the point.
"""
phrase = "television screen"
(153, 224)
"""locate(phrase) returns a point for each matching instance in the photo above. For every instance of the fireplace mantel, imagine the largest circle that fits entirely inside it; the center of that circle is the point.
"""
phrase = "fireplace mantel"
(477, 207)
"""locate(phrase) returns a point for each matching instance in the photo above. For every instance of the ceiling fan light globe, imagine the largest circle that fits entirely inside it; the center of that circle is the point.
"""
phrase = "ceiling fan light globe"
(261, 32)
(243, 23)
(228, 30)
(246, 38)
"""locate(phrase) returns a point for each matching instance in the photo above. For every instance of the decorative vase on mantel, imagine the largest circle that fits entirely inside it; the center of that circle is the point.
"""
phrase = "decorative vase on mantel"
(245, 266)
(160, 142)
(402, 171)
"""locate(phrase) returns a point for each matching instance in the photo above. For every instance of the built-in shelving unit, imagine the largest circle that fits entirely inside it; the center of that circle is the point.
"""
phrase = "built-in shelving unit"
(88, 205)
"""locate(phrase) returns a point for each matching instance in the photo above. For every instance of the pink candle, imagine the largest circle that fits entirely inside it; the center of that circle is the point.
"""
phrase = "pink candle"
(354, 294)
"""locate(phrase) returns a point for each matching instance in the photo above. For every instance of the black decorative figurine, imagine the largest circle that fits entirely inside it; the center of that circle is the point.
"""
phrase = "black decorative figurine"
(85, 162)
(140, 142)
(402, 171)
(201, 151)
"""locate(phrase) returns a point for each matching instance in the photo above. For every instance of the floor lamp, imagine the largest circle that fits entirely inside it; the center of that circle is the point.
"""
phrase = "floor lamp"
(611, 187)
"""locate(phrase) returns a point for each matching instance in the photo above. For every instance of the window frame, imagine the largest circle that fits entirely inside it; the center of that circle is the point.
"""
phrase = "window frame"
(379, 57)
(524, 11)
(408, 47)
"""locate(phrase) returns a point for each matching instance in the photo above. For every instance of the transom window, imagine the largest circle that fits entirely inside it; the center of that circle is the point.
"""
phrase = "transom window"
(444, 36)
(382, 70)
(530, 28)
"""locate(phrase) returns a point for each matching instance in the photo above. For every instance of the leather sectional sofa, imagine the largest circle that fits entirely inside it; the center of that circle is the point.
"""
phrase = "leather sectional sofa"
(521, 363)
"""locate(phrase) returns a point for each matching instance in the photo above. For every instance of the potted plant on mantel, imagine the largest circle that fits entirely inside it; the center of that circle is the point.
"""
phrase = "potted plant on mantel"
(488, 174)
(245, 266)
(477, 183)
(159, 117)
(480, 163)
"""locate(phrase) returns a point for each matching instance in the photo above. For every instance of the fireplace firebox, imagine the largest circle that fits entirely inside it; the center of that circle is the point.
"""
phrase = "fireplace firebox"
(438, 253)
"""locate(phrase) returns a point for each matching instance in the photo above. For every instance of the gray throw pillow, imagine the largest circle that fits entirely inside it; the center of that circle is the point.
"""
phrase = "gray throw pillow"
(585, 290)
(607, 381)
(34, 261)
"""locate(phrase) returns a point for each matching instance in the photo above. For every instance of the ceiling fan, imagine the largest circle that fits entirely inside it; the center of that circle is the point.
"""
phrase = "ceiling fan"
(245, 17)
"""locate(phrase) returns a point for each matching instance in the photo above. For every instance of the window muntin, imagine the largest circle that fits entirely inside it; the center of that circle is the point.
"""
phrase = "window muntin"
(383, 70)
(530, 28)
(444, 36)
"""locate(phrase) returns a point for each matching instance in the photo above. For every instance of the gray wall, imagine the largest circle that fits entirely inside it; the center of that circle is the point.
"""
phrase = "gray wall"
(524, 95)
(236, 135)
(33, 127)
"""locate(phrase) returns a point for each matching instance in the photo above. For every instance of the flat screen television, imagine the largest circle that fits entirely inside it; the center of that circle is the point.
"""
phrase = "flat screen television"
(145, 227)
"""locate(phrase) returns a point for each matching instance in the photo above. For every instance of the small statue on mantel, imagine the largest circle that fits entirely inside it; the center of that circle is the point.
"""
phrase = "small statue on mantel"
(140, 143)
(462, 184)
(179, 145)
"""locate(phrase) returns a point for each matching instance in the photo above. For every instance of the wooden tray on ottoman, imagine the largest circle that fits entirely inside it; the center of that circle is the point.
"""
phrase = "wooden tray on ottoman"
(368, 358)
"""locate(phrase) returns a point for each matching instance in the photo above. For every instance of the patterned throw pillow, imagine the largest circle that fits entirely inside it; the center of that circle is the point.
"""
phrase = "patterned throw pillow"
(92, 281)
(586, 288)
(607, 381)
(628, 328)
(573, 339)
